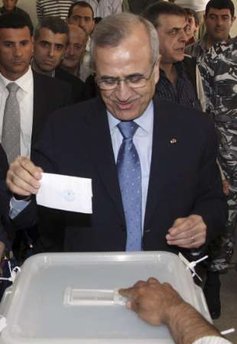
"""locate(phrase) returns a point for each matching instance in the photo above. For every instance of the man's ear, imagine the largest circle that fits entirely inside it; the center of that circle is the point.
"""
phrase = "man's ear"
(232, 20)
(157, 69)
(33, 41)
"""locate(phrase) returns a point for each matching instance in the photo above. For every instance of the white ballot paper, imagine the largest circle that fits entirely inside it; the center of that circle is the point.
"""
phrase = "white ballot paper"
(65, 193)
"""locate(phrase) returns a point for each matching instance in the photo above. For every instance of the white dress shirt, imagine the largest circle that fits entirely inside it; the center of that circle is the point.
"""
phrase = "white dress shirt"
(25, 100)
(143, 142)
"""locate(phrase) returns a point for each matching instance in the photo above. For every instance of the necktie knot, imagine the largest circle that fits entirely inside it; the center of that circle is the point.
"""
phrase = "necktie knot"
(128, 129)
(12, 87)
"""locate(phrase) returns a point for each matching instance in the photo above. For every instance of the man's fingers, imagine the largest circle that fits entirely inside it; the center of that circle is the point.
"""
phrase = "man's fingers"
(18, 186)
(189, 242)
(23, 177)
(189, 232)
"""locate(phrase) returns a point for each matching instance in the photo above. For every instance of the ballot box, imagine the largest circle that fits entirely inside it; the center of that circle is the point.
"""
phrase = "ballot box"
(72, 298)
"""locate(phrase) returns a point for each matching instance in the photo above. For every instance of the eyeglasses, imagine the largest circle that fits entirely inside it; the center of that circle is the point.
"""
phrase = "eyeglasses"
(136, 80)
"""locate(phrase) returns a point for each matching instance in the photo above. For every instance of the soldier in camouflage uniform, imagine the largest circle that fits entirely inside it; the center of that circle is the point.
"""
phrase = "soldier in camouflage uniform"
(218, 79)
(218, 68)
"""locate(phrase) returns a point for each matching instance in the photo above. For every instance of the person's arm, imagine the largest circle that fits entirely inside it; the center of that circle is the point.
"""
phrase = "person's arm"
(158, 303)
(23, 180)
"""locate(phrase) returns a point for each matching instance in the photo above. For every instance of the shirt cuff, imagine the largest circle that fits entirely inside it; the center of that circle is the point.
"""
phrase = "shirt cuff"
(212, 340)
(17, 206)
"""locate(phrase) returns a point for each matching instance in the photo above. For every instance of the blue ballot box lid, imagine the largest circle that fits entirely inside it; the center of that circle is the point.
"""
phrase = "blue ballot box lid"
(72, 298)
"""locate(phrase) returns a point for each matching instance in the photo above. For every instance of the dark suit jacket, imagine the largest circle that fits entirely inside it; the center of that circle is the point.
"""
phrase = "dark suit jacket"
(49, 94)
(184, 178)
(78, 86)
(4, 197)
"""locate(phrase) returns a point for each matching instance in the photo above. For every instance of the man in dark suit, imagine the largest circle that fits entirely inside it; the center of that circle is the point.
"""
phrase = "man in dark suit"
(182, 204)
(37, 95)
(50, 42)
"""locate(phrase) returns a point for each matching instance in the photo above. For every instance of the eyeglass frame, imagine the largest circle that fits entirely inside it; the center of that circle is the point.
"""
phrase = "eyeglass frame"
(125, 79)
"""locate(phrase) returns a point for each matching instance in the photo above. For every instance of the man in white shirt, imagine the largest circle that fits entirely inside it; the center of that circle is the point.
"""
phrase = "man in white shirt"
(37, 95)
(16, 48)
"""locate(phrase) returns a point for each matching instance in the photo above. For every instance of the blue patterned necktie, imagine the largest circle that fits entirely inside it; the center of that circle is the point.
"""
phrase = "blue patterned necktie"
(129, 174)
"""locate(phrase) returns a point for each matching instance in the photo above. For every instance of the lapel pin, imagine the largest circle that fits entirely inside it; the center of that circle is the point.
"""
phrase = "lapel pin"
(173, 140)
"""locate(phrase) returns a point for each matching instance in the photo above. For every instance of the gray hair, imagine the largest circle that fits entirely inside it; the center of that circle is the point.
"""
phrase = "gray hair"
(115, 28)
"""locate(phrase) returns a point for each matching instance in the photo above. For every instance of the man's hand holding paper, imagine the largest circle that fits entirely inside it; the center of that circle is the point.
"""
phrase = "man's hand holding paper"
(53, 191)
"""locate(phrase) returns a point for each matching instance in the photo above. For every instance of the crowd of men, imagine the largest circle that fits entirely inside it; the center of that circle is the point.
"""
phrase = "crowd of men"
(141, 105)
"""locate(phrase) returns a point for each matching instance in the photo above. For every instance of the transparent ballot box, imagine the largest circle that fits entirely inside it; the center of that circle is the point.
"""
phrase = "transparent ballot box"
(73, 298)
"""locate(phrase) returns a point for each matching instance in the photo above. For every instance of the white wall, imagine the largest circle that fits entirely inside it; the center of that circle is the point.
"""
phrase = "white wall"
(234, 27)
(30, 7)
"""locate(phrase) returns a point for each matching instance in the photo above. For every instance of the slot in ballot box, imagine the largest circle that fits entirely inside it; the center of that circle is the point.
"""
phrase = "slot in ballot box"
(72, 298)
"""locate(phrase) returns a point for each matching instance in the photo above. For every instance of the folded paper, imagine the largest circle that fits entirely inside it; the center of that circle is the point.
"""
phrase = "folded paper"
(65, 193)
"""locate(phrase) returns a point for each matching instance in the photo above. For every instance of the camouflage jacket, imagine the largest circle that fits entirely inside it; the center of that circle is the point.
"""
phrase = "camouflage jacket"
(218, 68)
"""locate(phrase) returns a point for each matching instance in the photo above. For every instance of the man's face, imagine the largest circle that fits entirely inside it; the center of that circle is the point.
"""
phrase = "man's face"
(9, 4)
(83, 17)
(218, 24)
(16, 49)
(75, 48)
(129, 58)
(49, 49)
(172, 37)
(191, 26)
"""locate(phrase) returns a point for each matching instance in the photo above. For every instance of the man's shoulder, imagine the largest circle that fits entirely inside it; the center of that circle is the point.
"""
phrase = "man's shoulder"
(87, 110)
(185, 122)
(195, 49)
(180, 114)
(51, 91)
(66, 76)
(80, 118)
(52, 82)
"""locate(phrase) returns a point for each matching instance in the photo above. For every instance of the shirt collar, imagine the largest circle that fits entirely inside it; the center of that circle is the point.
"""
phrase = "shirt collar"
(179, 67)
(203, 42)
(145, 121)
(24, 82)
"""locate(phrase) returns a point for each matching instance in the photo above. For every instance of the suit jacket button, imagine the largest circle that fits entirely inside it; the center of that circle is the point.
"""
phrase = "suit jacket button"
(147, 230)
